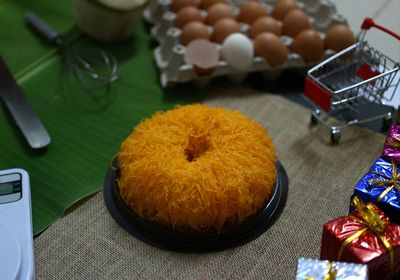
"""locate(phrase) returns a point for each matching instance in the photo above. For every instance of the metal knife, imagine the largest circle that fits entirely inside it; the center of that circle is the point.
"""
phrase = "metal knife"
(25, 117)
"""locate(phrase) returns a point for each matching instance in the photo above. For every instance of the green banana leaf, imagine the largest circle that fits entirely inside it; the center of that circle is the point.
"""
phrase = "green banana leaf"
(85, 134)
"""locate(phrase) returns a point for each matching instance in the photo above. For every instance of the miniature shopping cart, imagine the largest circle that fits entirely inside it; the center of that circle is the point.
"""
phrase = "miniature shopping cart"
(354, 76)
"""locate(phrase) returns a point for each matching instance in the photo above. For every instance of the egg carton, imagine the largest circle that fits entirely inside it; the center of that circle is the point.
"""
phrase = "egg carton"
(169, 53)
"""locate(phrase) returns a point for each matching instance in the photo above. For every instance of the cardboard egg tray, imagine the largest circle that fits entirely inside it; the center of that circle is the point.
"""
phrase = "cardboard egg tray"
(169, 53)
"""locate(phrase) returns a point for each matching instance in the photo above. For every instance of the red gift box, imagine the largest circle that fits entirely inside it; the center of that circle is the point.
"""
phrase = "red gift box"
(364, 236)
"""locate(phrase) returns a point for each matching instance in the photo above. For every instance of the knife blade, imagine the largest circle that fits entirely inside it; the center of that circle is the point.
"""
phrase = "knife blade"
(29, 123)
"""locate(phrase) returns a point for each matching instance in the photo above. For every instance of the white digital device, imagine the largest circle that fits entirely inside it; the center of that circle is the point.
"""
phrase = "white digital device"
(16, 237)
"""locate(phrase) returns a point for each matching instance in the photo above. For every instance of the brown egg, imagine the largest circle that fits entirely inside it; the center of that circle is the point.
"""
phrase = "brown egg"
(205, 4)
(250, 11)
(270, 47)
(294, 22)
(176, 5)
(309, 45)
(283, 7)
(223, 28)
(186, 15)
(339, 37)
(265, 24)
(194, 30)
(203, 55)
(218, 11)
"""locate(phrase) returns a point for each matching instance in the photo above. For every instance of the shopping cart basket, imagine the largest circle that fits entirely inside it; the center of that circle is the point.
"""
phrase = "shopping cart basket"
(356, 75)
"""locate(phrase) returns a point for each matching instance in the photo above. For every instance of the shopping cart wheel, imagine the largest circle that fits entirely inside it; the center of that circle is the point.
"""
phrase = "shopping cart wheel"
(314, 120)
(387, 121)
(314, 115)
(335, 135)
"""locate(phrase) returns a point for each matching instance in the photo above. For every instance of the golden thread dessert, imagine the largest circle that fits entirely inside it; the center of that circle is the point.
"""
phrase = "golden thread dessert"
(197, 168)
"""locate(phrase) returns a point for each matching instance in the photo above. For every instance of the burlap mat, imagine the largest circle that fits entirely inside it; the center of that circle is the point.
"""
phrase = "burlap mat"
(88, 244)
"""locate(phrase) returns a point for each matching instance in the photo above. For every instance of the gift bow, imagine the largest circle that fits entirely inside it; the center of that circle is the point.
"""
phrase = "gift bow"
(371, 220)
(391, 183)
(330, 275)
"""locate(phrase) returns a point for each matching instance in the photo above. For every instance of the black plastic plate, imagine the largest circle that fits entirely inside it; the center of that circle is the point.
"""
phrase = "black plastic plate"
(167, 239)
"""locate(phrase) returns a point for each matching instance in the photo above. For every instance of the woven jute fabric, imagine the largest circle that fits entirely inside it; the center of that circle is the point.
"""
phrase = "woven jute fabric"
(88, 244)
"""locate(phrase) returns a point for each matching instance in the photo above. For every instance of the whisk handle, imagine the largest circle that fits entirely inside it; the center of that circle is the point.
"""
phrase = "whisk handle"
(43, 28)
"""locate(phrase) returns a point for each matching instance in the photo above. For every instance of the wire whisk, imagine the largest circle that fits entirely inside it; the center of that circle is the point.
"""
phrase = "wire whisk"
(93, 68)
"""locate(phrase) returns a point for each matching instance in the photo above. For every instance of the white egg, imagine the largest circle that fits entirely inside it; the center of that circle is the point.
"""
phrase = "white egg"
(238, 51)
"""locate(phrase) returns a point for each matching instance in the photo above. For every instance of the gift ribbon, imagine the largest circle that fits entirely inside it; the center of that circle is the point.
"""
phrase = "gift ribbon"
(393, 142)
(391, 183)
(371, 220)
(330, 275)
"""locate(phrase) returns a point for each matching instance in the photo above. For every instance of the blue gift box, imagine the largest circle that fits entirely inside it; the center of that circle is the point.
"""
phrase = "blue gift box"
(310, 269)
(380, 186)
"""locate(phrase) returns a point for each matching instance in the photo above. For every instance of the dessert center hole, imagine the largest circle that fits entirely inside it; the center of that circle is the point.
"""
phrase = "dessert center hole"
(197, 146)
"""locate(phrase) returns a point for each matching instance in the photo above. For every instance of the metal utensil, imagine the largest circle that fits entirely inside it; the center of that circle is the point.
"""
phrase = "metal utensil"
(87, 64)
(25, 117)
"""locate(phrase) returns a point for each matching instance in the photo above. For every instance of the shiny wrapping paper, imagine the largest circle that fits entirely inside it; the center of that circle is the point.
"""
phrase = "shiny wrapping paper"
(370, 190)
(391, 149)
(367, 248)
(310, 269)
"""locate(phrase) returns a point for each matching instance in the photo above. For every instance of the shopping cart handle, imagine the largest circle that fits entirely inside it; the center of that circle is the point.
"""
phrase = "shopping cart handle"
(369, 22)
